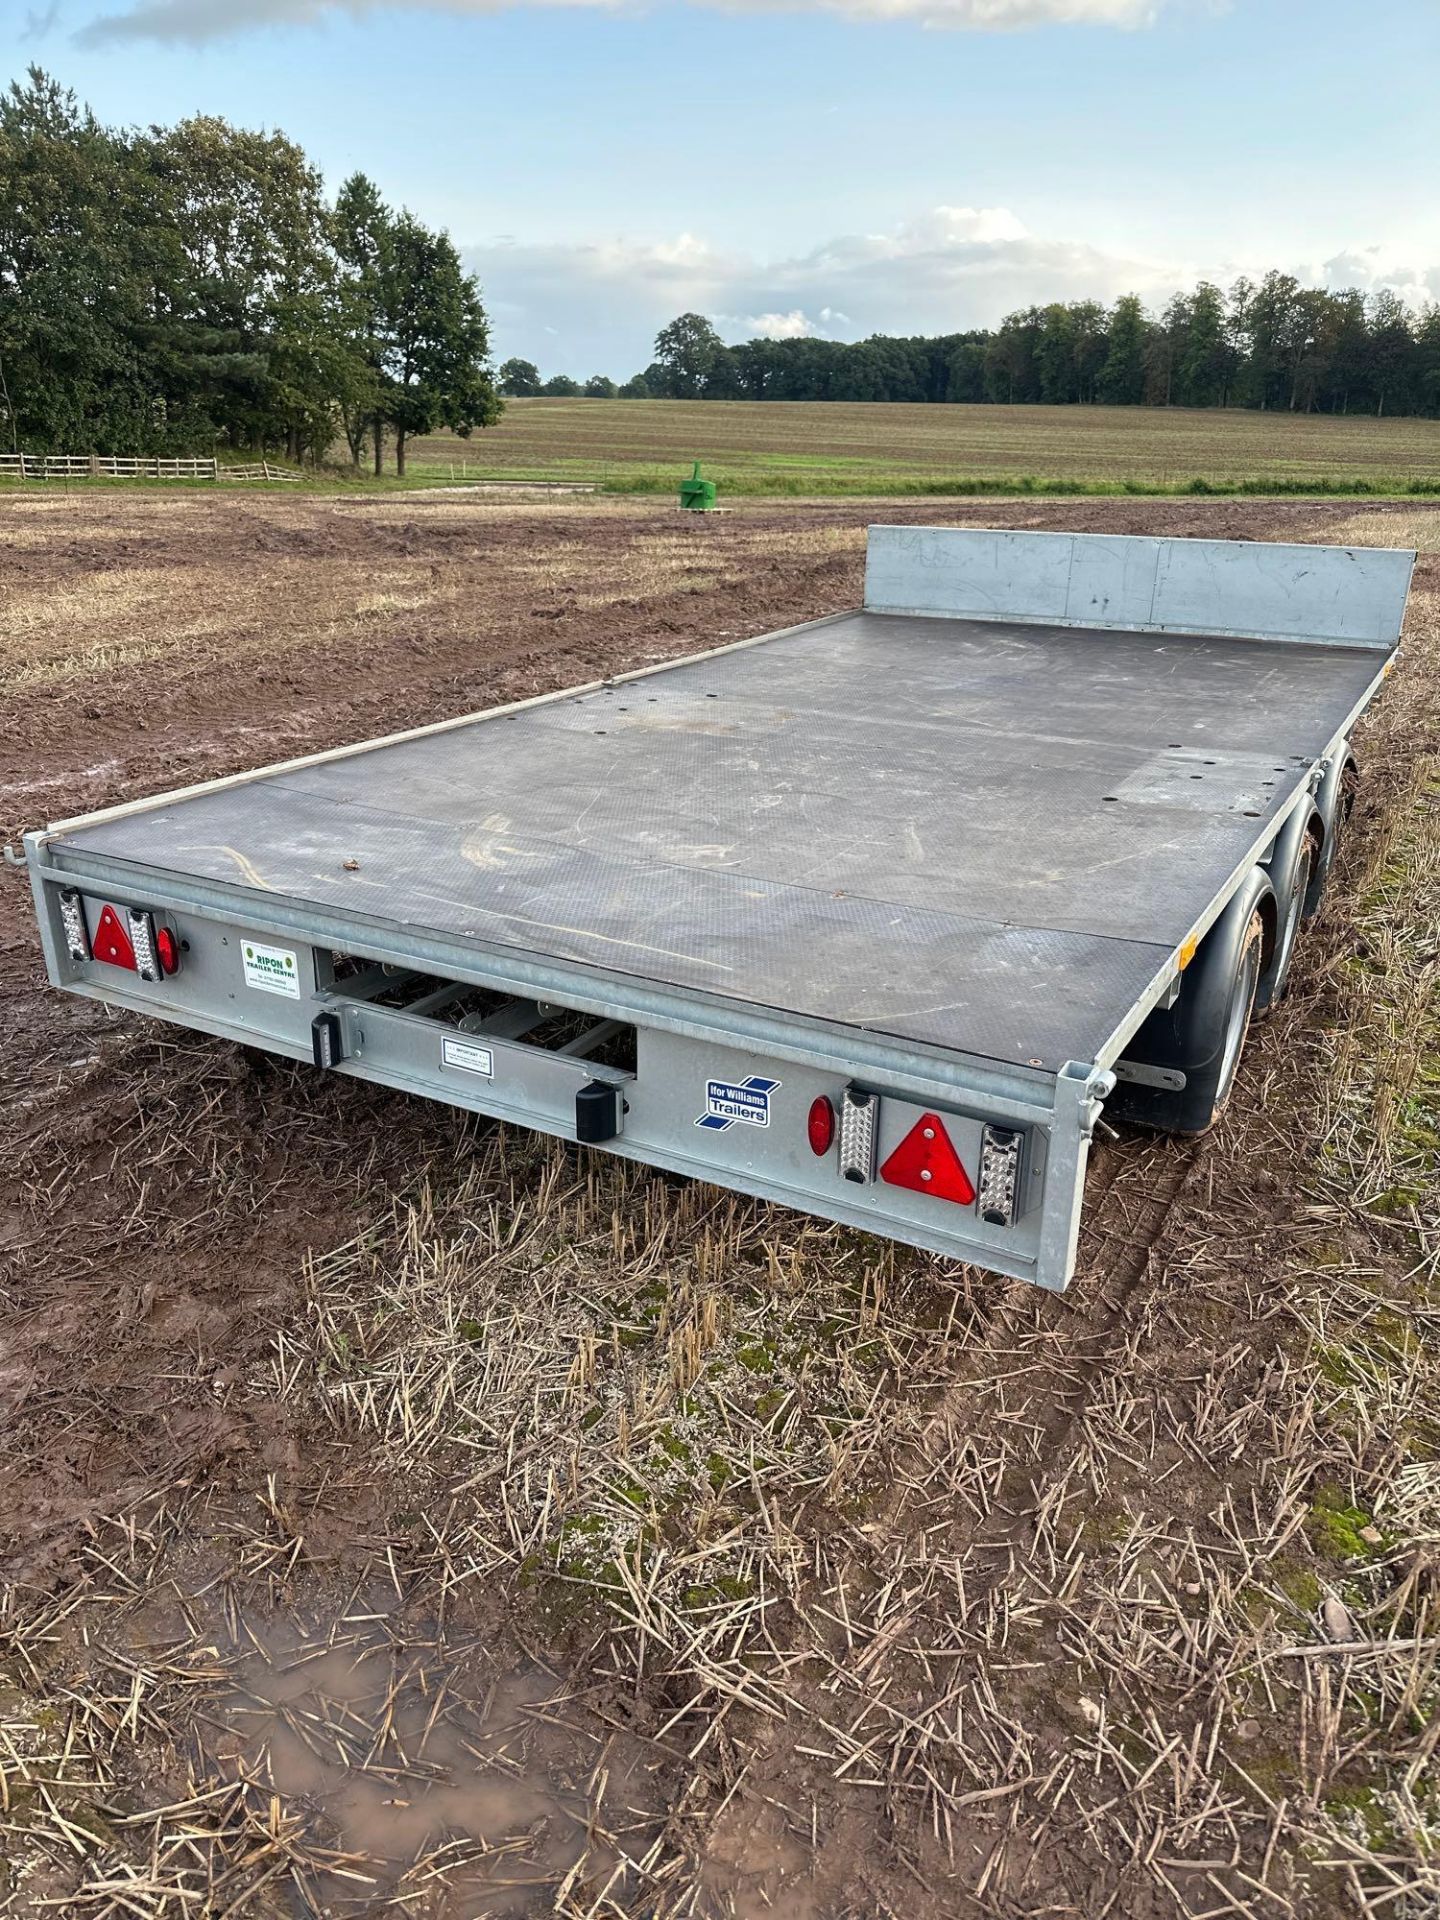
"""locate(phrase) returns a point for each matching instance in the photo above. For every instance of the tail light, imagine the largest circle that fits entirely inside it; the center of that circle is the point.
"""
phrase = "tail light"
(124, 937)
(820, 1125)
(1000, 1175)
(141, 929)
(72, 919)
(858, 1111)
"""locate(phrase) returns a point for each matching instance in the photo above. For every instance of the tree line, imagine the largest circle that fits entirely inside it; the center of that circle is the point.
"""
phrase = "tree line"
(1270, 344)
(175, 288)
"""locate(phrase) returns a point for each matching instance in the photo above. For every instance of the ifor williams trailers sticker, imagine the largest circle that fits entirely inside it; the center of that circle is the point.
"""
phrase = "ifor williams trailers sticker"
(730, 1103)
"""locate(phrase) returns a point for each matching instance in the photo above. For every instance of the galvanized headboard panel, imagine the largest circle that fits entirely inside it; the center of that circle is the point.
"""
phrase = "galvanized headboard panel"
(1336, 596)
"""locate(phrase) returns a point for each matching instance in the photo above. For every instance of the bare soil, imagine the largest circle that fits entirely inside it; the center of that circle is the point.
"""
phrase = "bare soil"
(402, 1515)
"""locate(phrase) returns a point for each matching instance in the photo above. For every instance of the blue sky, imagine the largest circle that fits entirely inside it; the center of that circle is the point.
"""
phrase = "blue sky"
(842, 168)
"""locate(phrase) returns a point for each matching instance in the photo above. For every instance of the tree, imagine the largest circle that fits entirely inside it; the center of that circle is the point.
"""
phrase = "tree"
(561, 387)
(1121, 381)
(1349, 344)
(421, 326)
(637, 387)
(73, 301)
(1010, 370)
(1312, 344)
(437, 364)
(1204, 358)
(1427, 359)
(1165, 350)
(684, 353)
(1089, 346)
(1273, 342)
(242, 218)
(722, 378)
(1055, 355)
(1392, 351)
(600, 387)
(519, 378)
(315, 377)
(360, 227)
(965, 368)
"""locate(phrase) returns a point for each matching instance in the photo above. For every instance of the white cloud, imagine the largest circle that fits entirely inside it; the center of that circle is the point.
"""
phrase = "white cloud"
(947, 270)
(983, 16)
(196, 21)
(944, 271)
(795, 325)
(1369, 269)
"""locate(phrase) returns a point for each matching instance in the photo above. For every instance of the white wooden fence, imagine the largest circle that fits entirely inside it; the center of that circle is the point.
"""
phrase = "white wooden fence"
(109, 466)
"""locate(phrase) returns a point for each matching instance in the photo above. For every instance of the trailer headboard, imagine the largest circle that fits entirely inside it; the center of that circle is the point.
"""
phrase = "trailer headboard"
(1332, 596)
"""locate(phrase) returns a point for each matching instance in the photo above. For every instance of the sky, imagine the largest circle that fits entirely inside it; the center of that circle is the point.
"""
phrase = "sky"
(827, 167)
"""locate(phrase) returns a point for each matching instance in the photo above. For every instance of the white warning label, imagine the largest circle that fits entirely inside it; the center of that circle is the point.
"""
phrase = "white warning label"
(459, 1053)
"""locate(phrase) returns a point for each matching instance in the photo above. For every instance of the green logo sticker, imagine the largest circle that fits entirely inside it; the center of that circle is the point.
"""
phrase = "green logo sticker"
(271, 970)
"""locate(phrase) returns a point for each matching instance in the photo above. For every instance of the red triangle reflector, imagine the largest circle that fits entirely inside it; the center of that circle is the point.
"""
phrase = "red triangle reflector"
(112, 942)
(926, 1162)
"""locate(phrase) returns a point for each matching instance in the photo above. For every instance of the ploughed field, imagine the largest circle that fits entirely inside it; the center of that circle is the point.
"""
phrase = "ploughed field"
(404, 1514)
(860, 447)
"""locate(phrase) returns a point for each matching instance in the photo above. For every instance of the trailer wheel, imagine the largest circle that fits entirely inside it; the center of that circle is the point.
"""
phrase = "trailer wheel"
(1203, 1034)
(1336, 801)
(1292, 913)
(1237, 1024)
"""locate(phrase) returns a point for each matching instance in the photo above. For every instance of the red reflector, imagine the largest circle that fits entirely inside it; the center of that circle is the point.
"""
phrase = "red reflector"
(167, 950)
(112, 942)
(926, 1162)
(821, 1125)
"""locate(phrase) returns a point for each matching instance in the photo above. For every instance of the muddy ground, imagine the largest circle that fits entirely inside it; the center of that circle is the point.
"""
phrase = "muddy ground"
(402, 1515)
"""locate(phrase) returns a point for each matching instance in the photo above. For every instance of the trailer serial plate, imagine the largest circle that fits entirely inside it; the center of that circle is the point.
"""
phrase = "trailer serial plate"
(467, 1058)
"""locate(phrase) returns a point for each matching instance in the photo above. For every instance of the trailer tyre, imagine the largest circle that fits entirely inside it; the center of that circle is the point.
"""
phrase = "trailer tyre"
(1337, 803)
(1292, 913)
(1204, 1033)
(1237, 1026)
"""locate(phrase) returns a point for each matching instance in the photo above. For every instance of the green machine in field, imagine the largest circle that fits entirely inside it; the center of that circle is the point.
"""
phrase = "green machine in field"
(697, 495)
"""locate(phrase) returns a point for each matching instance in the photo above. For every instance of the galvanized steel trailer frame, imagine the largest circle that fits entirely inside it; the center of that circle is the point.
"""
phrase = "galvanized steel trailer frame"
(1012, 689)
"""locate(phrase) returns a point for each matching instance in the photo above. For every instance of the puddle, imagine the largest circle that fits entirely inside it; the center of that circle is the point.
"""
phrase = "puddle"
(427, 1774)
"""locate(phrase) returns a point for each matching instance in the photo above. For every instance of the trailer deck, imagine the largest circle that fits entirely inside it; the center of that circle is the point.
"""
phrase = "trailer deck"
(923, 868)
(981, 836)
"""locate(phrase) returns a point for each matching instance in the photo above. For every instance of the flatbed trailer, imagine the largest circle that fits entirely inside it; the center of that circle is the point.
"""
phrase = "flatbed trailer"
(869, 916)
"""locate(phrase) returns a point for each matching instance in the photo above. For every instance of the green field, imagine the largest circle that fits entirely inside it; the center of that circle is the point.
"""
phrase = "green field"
(851, 447)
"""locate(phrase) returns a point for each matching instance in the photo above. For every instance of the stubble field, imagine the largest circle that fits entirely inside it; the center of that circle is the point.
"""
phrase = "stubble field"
(853, 447)
(406, 1516)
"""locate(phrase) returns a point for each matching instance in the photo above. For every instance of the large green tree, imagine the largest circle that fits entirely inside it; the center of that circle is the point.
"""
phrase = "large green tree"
(73, 297)
(436, 365)
(685, 354)
(418, 321)
(1122, 376)
(519, 378)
